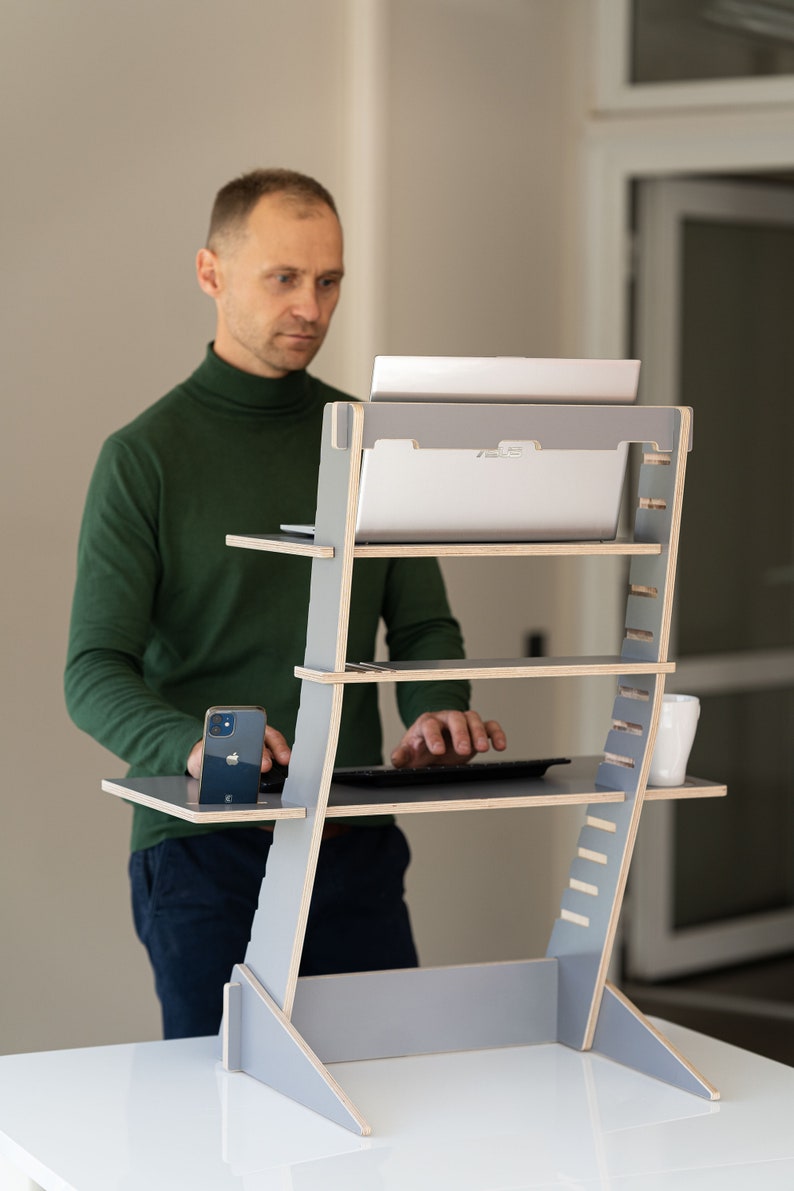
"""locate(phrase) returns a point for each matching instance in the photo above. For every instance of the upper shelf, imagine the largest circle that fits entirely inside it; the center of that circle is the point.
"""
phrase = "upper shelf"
(459, 668)
(282, 543)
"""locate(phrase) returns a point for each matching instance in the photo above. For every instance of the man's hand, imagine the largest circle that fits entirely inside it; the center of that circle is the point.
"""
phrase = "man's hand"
(275, 748)
(447, 738)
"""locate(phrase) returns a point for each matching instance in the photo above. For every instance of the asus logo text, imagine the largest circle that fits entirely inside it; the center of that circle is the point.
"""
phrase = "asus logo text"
(501, 453)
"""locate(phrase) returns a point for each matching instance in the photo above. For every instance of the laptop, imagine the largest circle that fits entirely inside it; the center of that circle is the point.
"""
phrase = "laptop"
(513, 492)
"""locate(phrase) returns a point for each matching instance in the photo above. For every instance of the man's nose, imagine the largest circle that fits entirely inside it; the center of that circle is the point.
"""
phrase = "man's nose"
(305, 304)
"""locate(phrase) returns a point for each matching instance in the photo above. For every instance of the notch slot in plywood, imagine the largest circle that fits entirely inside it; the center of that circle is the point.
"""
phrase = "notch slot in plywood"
(590, 854)
(627, 726)
(600, 824)
(576, 919)
(583, 887)
(617, 759)
(643, 590)
(639, 635)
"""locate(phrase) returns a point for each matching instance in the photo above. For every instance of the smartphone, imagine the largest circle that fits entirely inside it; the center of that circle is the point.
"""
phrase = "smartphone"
(232, 760)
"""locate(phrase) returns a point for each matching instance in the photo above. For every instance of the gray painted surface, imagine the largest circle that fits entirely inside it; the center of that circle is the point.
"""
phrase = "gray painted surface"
(623, 1036)
(428, 1010)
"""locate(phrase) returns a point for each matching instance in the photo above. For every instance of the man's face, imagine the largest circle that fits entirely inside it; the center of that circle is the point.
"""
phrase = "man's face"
(275, 286)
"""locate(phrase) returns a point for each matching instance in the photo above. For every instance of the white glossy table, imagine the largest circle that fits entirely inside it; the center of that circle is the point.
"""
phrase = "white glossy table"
(163, 1116)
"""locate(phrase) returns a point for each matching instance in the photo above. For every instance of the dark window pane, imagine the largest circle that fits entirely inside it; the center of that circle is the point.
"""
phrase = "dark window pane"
(736, 568)
(735, 855)
(687, 40)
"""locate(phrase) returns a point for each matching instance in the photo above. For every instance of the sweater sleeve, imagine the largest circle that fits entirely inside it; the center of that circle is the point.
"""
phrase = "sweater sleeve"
(118, 570)
(419, 625)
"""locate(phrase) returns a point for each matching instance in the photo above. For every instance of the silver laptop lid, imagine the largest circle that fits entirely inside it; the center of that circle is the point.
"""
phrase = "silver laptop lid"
(515, 493)
(512, 493)
(503, 379)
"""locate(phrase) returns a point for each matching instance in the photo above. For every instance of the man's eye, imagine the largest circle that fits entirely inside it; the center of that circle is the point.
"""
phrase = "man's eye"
(329, 282)
(280, 280)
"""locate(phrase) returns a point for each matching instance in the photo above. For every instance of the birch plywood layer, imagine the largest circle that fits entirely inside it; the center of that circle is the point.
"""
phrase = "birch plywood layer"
(306, 546)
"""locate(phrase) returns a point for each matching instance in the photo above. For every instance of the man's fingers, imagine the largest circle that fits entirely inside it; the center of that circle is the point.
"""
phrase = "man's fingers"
(496, 735)
(275, 746)
(194, 759)
(446, 736)
(477, 732)
(457, 727)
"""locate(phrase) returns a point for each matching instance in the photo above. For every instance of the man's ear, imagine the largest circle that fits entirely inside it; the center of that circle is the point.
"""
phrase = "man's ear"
(208, 272)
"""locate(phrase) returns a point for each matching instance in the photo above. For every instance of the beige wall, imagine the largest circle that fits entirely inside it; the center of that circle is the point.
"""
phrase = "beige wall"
(120, 123)
(480, 133)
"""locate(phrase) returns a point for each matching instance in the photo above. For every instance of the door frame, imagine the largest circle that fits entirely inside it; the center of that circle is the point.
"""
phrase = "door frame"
(616, 152)
(654, 949)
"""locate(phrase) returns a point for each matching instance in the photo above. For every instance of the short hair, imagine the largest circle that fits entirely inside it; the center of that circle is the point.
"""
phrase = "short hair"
(235, 201)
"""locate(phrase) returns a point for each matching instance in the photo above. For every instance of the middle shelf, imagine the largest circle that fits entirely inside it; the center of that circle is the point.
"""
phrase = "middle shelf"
(305, 546)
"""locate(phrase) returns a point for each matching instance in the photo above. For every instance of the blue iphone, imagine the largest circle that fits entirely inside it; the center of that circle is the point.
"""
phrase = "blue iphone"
(230, 767)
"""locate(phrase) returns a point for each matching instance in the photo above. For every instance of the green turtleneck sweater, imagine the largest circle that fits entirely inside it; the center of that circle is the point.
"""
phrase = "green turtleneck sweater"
(167, 620)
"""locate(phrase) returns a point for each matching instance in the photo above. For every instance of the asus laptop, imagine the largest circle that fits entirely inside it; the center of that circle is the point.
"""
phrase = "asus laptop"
(512, 492)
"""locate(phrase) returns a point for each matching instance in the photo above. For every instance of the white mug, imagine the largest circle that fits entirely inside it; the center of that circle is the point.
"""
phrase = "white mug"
(678, 721)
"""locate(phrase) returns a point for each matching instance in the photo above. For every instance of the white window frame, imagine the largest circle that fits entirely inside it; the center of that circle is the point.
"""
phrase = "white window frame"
(614, 92)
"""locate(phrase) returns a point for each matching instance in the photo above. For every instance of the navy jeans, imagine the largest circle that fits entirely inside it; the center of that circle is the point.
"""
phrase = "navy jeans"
(194, 899)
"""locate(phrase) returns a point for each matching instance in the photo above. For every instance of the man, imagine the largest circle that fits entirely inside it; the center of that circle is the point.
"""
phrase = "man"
(166, 621)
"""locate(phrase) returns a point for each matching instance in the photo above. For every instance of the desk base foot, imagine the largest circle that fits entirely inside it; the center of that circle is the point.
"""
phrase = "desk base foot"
(260, 1040)
(625, 1035)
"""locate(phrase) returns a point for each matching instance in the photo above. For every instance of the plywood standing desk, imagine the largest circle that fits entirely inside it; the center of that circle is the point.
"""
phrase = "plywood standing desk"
(286, 1031)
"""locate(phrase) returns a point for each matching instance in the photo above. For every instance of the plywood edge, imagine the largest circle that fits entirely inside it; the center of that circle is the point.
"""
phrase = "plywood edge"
(621, 548)
(297, 544)
(458, 803)
(280, 544)
(694, 787)
(181, 803)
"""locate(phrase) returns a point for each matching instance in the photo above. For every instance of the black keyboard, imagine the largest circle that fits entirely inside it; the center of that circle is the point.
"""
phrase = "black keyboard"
(427, 775)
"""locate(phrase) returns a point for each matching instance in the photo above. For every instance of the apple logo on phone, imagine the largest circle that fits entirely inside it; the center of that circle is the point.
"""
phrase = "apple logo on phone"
(232, 759)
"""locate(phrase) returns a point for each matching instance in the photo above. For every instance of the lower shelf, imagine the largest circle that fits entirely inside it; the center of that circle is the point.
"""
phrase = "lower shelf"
(572, 784)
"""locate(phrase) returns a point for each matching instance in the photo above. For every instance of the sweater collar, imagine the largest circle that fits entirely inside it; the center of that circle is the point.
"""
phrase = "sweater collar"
(228, 389)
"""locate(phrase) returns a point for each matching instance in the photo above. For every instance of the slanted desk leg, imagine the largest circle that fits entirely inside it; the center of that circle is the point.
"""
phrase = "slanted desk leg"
(624, 1034)
(276, 1054)
(593, 1014)
(258, 1035)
